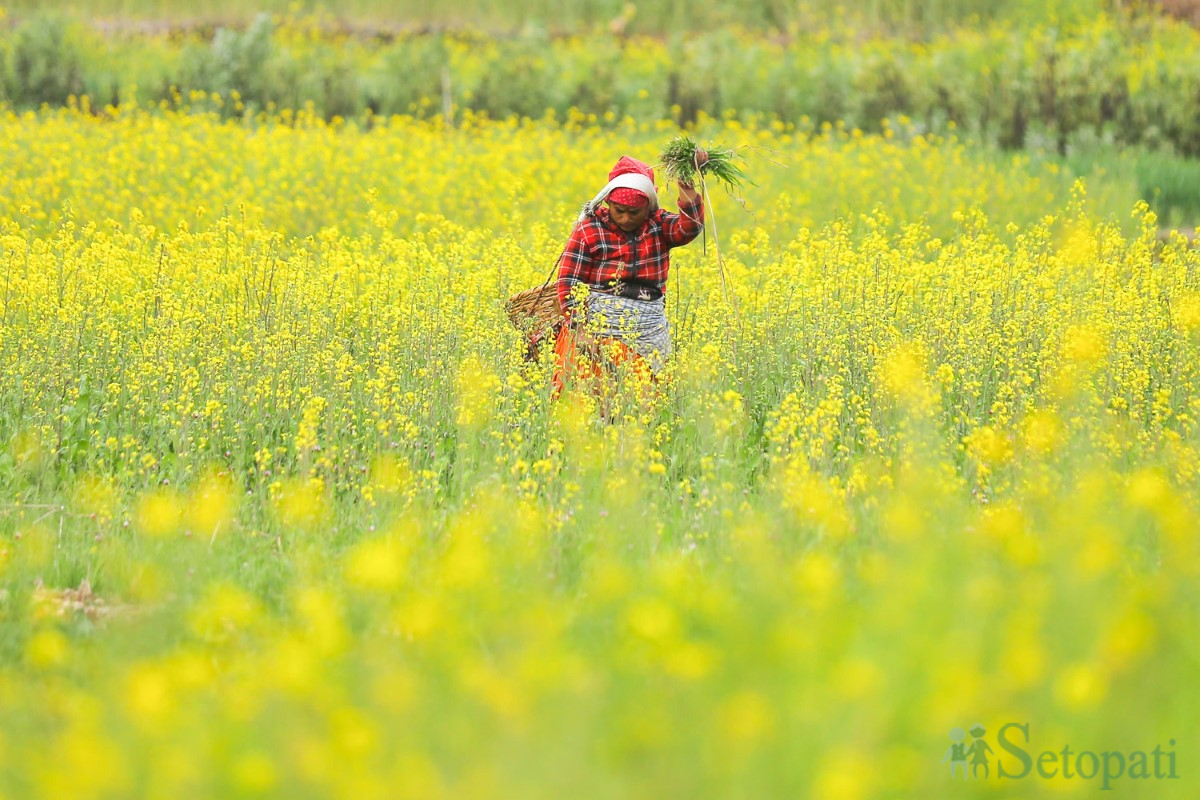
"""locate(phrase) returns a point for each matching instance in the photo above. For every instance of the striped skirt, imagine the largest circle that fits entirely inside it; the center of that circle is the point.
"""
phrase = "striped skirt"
(641, 324)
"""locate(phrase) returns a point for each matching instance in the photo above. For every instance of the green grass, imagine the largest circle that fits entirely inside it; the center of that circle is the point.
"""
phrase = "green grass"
(1168, 182)
(915, 17)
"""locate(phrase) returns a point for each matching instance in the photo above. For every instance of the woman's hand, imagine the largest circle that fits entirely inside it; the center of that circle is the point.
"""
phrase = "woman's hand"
(687, 192)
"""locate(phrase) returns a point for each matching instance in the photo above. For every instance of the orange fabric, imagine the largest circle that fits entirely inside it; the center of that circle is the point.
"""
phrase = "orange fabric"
(571, 366)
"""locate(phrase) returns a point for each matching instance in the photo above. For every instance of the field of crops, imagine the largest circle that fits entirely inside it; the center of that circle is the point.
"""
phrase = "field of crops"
(284, 512)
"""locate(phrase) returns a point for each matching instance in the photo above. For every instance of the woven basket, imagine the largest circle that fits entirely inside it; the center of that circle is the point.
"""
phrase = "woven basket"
(534, 311)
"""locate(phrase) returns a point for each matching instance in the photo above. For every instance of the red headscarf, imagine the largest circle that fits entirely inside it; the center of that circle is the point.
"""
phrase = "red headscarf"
(630, 197)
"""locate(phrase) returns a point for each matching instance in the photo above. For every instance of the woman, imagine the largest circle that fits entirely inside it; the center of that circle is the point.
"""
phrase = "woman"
(620, 251)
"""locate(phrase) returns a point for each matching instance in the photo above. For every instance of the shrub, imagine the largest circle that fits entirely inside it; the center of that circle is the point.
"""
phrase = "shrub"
(44, 64)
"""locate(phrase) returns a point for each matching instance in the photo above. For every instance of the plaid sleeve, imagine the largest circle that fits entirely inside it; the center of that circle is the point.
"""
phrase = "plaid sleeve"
(681, 228)
(573, 266)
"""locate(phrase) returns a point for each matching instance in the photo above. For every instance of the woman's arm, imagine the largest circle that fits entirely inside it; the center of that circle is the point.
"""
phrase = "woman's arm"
(688, 194)
(681, 228)
(690, 221)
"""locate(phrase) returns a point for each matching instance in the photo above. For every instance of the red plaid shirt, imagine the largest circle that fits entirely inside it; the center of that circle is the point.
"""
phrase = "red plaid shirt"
(600, 254)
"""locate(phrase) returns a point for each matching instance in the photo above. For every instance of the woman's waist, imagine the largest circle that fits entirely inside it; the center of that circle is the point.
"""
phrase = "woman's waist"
(626, 313)
(629, 289)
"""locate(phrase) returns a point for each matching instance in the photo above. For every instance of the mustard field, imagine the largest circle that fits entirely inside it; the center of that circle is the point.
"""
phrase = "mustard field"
(285, 512)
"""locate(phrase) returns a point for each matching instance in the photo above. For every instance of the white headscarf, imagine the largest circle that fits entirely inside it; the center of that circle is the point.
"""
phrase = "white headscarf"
(630, 180)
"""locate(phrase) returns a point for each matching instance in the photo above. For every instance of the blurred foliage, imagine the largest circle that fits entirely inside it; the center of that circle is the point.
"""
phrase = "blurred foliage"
(42, 63)
(1124, 80)
(911, 18)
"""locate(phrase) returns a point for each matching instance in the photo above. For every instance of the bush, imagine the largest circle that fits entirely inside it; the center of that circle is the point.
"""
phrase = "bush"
(43, 64)
(520, 82)
(238, 61)
(407, 78)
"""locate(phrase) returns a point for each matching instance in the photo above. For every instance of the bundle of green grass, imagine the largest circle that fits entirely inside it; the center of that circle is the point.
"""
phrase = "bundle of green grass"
(685, 161)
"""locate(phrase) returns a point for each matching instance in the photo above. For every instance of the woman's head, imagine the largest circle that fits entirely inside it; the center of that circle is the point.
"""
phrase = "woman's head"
(629, 207)
(626, 217)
